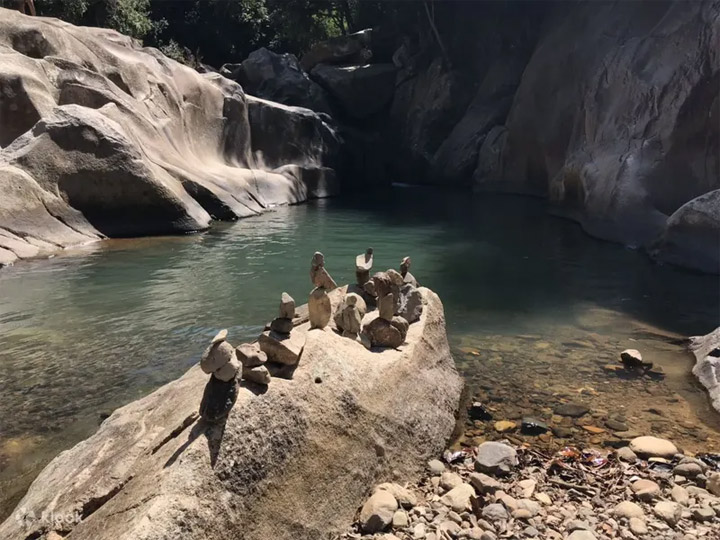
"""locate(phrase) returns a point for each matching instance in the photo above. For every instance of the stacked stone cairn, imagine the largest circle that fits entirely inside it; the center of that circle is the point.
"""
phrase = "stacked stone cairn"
(220, 361)
(387, 330)
(319, 306)
(281, 344)
(411, 305)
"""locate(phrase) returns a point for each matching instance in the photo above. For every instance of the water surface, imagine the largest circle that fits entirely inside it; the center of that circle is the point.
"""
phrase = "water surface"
(534, 307)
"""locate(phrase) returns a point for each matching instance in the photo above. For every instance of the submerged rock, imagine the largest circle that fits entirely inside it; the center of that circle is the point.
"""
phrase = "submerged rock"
(495, 458)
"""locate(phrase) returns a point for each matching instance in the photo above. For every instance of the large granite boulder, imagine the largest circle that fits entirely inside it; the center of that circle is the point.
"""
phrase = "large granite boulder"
(279, 77)
(294, 460)
(692, 235)
(707, 366)
(616, 118)
(101, 137)
(362, 90)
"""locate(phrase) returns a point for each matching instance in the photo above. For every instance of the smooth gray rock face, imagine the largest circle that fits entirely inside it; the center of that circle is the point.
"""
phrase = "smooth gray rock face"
(154, 471)
(101, 137)
(411, 304)
(495, 458)
(692, 235)
(707, 364)
(282, 348)
(361, 90)
(279, 77)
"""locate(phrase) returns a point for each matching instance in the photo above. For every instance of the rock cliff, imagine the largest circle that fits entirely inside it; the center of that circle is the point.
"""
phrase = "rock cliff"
(294, 460)
(101, 137)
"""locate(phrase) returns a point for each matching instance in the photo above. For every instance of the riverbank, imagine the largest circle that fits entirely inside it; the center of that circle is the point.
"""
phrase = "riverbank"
(134, 314)
(649, 489)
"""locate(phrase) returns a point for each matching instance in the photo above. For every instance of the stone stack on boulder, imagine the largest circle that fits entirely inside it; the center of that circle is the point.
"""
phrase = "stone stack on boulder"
(319, 303)
(405, 272)
(349, 316)
(387, 330)
(253, 361)
(281, 344)
(350, 419)
(220, 362)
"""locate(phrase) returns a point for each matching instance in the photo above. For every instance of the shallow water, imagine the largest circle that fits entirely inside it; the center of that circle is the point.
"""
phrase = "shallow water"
(534, 307)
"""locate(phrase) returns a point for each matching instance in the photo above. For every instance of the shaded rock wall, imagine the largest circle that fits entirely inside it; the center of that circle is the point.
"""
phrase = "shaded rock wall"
(100, 137)
(294, 461)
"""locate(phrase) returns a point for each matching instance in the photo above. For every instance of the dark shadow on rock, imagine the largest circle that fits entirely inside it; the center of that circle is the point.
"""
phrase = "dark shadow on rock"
(214, 435)
(257, 389)
(282, 371)
(197, 430)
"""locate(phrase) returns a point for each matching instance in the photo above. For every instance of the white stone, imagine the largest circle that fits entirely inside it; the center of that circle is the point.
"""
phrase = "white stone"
(458, 498)
(377, 512)
(669, 511)
(649, 446)
(449, 480)
(628, 509)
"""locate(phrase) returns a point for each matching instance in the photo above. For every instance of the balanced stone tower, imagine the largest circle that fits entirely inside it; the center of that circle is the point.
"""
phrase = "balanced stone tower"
(220, 362)
(319, 307)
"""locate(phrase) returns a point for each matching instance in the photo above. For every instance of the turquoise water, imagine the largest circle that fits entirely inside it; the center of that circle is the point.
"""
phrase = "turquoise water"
(92, 329)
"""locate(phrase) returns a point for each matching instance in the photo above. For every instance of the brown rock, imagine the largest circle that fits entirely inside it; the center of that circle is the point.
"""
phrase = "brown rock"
(382, 333)
(281, 348)
(319, 308)
(250, 355)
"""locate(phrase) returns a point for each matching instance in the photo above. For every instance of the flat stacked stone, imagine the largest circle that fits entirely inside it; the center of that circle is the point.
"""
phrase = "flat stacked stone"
(253, 361)
(283, 324)
(387, 330)
(282, 348)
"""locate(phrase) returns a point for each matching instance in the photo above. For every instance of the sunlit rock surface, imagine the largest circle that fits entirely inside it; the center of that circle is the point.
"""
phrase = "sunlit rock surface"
(293, 461)
(100, 137)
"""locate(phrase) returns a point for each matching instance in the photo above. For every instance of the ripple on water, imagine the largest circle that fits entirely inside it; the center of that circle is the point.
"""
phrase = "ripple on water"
(96, 327)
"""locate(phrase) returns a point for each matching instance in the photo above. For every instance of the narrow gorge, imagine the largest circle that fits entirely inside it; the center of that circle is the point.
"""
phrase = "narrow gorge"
(551, 170)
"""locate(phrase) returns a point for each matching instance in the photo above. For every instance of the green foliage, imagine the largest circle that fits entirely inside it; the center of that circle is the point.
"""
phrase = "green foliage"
(131, 17)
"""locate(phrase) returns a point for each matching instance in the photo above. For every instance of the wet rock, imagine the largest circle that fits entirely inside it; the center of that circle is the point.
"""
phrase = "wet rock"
(287, 306)
(250, 355)
(532, 426)
(628, 509)
(377, 512)
(562, 432)
(458, 498)
(669, 511)
(282, 349)
(478, 411)
(258, 375)
(218, 399)
(319, 308)
(505, 425)
(649, 446)
(573, 410)
(495, 458)
(614, 425)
